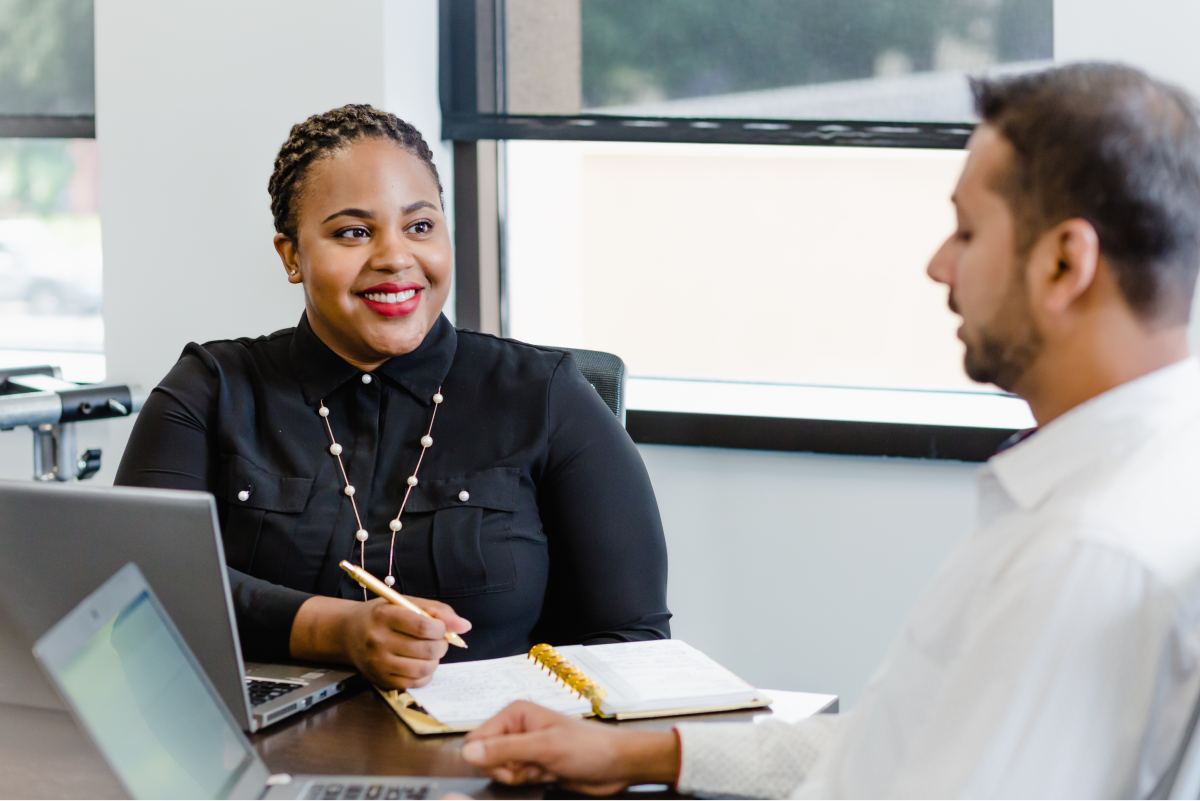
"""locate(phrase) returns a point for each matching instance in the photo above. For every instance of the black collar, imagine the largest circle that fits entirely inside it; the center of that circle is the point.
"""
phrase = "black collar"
(320, 371)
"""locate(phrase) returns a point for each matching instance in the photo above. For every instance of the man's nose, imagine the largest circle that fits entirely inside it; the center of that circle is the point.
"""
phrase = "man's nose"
(941, 266)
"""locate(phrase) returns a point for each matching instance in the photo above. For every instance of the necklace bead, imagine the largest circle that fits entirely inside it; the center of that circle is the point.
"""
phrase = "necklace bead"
(395, 525)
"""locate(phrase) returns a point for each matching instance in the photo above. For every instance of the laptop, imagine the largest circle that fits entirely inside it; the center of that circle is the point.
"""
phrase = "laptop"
(138, 691)
(59, 542)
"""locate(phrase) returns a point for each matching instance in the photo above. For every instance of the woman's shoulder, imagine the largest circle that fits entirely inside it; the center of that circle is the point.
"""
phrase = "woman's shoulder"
(475, 346)
(221, 361)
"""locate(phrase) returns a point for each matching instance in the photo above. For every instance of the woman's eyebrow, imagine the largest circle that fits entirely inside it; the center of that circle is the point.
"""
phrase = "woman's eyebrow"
(420, 204)
(366, 215)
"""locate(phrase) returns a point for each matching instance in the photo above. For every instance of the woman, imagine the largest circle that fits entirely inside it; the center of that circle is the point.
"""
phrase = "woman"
(483, 476)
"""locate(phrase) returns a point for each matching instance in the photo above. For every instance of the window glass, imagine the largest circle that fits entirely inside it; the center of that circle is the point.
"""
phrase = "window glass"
(47, 57)
(50, 263)
(726, 274)
(899, 60)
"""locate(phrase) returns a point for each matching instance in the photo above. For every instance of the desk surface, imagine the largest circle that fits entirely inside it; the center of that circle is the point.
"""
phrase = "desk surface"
(44, 755)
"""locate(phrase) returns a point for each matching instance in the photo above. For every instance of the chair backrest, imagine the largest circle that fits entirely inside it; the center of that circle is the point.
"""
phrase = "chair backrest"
(606, 373)
(1182, 778)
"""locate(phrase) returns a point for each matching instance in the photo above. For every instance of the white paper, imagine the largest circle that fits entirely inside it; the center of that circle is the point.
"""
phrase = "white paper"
(467, 693)
(658, 674)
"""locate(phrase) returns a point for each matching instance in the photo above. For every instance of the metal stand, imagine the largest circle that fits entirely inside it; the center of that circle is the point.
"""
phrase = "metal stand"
(38, 397)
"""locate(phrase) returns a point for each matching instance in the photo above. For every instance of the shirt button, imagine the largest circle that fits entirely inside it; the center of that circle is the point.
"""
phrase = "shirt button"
(244, 495)
(366, 378)
(464, 496)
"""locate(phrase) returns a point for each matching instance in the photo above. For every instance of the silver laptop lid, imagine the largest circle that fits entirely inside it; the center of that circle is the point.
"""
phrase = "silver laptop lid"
(58, 543)
(138, 691)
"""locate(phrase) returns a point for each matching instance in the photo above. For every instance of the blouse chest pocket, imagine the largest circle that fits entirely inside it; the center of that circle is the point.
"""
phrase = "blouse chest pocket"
(468, 536)
(250, 493)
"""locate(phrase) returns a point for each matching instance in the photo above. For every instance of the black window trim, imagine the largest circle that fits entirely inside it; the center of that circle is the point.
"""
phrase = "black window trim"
(47, 126)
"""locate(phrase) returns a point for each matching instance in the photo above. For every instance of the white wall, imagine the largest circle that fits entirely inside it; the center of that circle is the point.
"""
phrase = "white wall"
(795, 570)
(193, 101)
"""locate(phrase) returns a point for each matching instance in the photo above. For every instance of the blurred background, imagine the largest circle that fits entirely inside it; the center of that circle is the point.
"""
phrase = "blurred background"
(50, 250)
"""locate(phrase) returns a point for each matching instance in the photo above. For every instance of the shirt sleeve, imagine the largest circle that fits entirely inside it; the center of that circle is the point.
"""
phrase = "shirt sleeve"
(174, 446)
(608, 555)
(755, 760)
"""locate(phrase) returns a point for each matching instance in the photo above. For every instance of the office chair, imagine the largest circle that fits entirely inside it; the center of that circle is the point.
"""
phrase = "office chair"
(1182, 779)
(606, 373)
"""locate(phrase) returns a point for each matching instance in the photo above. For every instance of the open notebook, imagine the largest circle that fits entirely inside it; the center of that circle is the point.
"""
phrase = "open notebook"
(625, 680)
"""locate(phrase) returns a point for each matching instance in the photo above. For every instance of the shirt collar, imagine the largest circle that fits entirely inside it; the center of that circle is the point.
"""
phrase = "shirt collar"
(320, 370)
(1107, 424)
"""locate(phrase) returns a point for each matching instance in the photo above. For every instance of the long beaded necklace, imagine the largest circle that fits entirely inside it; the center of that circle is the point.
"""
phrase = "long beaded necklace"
(395, 525)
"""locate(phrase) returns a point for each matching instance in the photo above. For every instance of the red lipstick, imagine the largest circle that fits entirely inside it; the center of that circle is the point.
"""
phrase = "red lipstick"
(392, 300)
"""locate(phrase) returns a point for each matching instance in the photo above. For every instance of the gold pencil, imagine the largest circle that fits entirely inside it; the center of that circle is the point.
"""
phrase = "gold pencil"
(387, 593)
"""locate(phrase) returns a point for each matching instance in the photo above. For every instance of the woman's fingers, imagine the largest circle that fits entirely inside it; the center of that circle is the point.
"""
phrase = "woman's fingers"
(445, 613)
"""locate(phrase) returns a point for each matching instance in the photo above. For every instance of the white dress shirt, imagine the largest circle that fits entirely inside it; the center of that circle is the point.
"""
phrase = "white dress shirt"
(1056, 652)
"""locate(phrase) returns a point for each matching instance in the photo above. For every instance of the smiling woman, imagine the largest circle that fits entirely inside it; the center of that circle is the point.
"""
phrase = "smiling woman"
(483, 476)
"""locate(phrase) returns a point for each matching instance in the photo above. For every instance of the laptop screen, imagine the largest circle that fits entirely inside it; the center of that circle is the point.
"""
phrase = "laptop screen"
(149, 712)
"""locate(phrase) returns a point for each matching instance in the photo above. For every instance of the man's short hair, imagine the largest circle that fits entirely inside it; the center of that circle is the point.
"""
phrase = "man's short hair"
(1111, 145)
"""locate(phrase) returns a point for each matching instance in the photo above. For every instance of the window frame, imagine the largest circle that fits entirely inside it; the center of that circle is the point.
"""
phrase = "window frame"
(471, 76)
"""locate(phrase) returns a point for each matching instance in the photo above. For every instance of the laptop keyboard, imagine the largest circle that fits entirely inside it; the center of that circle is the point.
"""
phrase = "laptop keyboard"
(262, 691)
(370, 792)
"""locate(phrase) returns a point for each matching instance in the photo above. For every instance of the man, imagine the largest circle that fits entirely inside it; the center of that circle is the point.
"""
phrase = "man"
(1057, 651)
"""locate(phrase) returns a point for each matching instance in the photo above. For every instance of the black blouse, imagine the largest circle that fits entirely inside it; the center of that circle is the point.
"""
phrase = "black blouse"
(557, 539)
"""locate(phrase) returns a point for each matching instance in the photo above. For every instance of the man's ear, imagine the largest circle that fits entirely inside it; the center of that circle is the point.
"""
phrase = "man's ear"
(1063, 265)
(290, 256)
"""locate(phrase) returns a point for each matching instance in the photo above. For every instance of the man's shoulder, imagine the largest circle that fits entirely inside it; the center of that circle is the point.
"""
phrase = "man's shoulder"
(1146, 505)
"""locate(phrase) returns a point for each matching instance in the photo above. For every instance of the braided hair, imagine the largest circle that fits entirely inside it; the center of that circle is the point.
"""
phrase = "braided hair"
(322, 135)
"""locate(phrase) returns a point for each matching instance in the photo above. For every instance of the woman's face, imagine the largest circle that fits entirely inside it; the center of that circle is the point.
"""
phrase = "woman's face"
(373, 251)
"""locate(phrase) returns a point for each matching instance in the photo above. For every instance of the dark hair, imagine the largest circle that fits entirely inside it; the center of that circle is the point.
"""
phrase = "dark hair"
(1108, 144)
(322, 135)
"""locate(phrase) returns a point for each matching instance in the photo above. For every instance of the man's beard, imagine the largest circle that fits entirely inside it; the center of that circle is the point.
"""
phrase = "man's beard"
(1008, 345)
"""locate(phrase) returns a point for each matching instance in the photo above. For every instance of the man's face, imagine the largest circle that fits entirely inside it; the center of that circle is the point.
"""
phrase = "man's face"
(985, 274)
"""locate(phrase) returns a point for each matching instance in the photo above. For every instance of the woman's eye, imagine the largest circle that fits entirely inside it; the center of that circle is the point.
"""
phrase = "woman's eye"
(357, 232)
(422, 227)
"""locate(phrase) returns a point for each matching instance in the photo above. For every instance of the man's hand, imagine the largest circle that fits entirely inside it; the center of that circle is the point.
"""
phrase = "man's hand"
(393, 647)
(527, 744)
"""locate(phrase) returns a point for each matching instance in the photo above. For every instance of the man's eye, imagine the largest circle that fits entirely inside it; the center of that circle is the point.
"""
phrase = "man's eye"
(357, 232)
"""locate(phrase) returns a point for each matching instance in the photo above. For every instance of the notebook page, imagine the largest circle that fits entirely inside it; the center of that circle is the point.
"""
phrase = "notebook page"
(467, 693)
(657, 674)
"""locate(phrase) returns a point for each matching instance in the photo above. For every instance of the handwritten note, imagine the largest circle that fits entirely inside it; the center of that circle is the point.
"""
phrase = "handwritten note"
(464, 693)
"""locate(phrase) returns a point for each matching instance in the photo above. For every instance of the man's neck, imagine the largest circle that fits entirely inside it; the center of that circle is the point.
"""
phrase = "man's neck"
(1069, 373)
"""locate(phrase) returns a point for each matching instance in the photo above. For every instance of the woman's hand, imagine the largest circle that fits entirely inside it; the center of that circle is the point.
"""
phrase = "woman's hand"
(527, 744)
(393, 647)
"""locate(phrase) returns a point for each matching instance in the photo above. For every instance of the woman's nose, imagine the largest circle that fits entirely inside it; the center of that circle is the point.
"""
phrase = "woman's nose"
(393, 253)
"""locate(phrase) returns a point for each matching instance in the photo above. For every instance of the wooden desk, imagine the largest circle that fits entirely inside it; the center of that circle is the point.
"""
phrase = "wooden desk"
(44, 755)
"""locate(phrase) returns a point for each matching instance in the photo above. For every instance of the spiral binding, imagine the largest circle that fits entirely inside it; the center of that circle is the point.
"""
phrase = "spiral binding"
(571, 676)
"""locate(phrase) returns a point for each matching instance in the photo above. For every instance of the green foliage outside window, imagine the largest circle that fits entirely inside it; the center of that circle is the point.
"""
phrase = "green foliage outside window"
(647, 50)
(47, 57)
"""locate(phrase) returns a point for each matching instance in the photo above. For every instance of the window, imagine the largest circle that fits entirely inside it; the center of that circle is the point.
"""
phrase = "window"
(648, 208)
(50, 262)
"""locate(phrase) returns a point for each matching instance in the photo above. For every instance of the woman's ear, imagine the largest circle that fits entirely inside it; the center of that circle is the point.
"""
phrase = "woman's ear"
(1062, 265)
(290, 256)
